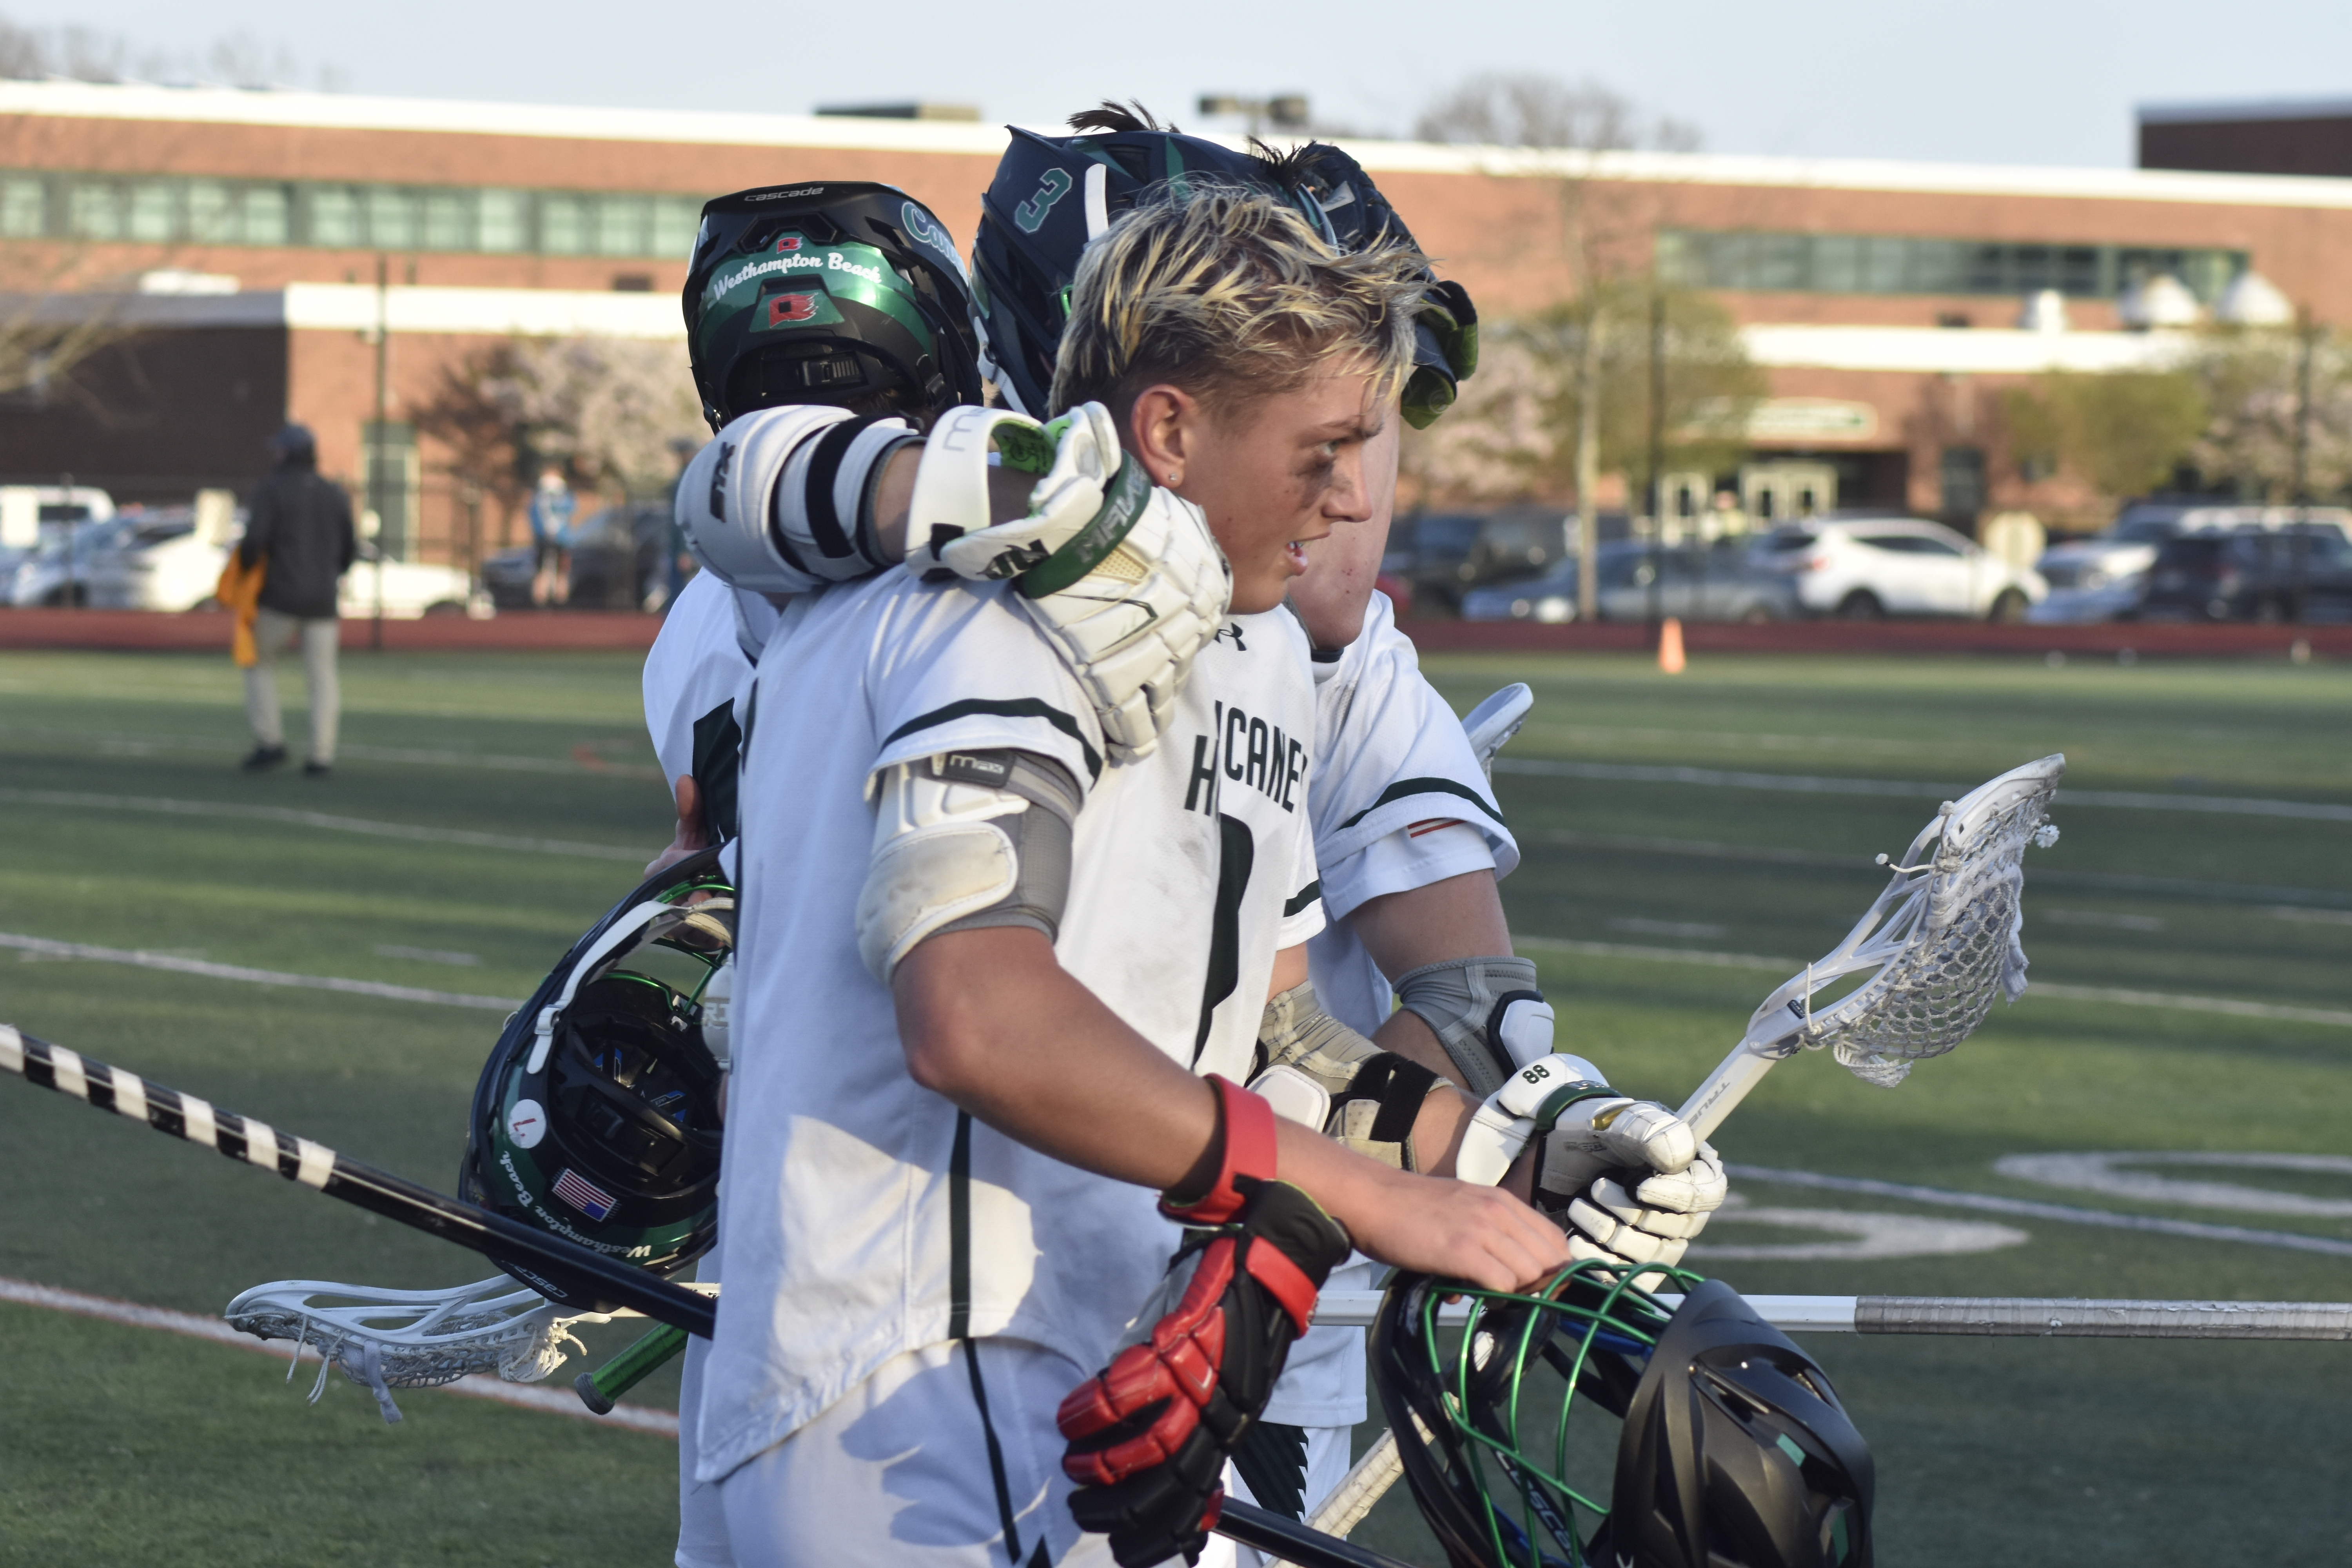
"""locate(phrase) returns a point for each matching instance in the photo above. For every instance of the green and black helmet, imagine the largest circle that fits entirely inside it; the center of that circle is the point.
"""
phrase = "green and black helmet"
(596, 1117)
(834, 292)
(1732, 1450)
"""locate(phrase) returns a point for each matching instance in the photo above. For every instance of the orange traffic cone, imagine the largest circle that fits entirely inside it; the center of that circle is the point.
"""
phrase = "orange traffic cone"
(1670, 646)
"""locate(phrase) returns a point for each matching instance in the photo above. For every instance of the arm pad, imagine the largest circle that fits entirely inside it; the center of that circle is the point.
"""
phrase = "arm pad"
(1319, 1071)
(964, 840)
(1486, 1012)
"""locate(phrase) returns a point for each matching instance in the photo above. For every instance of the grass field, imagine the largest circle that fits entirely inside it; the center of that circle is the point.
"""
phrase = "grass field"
(119, 1446)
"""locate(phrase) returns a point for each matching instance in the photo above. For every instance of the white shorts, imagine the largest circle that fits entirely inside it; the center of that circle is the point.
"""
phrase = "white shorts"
(946, 1458)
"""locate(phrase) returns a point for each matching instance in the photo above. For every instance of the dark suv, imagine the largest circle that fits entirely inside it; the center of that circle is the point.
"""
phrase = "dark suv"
(1444, 555)
(2283, 574)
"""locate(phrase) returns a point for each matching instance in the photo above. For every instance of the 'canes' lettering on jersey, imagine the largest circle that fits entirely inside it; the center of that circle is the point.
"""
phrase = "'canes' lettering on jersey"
(1251, 752)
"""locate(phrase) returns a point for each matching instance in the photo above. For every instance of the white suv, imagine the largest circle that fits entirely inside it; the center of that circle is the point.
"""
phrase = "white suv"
(1862, 568)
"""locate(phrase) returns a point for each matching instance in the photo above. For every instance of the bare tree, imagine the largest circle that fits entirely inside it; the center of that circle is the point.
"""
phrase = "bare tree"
(609, 412)
(2278, 401)
(86, 54)
(1509, 110)
(1607, 230)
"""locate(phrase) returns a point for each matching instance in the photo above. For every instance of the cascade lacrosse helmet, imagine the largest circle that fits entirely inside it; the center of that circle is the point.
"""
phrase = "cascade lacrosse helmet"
(840, 292)
(1052, 196)
(1733, 1450)
(596, 1117)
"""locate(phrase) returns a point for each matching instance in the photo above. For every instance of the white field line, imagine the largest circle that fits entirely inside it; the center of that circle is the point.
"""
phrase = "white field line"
(526, 1396)
(2323, 905)
(76, 800)
(210, 971)
(2115, 994)
(117, 744)
(1812, 783)
(2027, 1208)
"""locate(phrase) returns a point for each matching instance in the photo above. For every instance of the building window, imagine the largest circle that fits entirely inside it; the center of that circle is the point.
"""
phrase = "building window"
(333, 217)
(1962, 472)
(37, 205)
(24, 207)
(1890, 264)
(499, 220)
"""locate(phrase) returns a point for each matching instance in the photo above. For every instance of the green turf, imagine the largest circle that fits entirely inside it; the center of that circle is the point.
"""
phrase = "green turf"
(125, 1446)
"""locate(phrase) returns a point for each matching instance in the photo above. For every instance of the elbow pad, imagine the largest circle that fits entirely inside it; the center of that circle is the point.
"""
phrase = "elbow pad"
(964, 840)
(782, 501)
(1486, 1012)
(1322, 1074)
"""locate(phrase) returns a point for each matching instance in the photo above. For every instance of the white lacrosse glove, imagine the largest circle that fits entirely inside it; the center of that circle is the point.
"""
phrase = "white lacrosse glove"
(948, 520)
(1130, 626)
(1593, 1140)
(1123, 578)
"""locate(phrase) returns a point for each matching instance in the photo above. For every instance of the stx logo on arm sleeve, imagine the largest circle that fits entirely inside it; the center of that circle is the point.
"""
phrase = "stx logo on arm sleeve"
(1250, 753)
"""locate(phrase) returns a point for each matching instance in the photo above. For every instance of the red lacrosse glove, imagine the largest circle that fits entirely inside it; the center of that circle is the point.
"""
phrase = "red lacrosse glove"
(1149, 1436)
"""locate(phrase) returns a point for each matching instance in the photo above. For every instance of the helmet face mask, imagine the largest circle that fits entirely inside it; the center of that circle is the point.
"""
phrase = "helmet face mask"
(1733, 1450)
(596, 1117)
(844, 293)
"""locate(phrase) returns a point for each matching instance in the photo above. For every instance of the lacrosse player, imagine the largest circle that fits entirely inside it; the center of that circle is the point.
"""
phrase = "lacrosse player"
(940, 1215)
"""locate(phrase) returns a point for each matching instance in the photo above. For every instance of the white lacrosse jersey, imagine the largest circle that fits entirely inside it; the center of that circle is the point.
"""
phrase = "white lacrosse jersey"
(1392, 765)
(864, 1215)
(695, 667)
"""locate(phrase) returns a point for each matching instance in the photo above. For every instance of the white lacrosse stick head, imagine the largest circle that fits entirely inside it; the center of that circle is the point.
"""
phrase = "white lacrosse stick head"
(1943, 937)
(414, 1339)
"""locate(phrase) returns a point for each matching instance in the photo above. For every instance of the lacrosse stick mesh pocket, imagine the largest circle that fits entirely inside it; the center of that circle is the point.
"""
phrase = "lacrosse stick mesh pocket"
(421, 1339)
(1957, 926)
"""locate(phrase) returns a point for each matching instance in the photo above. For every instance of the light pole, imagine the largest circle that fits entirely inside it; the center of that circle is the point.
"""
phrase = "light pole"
(375, 486)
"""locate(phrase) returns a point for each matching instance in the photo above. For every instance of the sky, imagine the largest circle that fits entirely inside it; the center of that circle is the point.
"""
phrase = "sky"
(2004, 81)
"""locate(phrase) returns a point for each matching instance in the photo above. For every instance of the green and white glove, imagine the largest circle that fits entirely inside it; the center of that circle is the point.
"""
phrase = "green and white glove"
(1076, 458)
(1125, 579)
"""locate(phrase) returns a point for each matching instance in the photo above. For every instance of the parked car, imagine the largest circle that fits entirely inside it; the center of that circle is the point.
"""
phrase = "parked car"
(36, 516)
(2253, 574)
(1862, 568)
(1691, 584)
(158, 561)
(620, 561)
(56, 572)
(1447, 554)
(2103, 577)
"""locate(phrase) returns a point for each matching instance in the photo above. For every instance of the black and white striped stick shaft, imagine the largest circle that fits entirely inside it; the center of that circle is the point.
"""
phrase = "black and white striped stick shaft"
(314, 1165)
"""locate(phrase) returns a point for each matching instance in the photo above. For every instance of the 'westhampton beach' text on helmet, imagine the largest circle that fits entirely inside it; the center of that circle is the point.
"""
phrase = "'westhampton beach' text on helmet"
(840, 292)
(1733, 1451)
(1051, 196)
(596, 1117)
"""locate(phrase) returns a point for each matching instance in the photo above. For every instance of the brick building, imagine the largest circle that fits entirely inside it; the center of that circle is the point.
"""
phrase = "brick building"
(242, 234)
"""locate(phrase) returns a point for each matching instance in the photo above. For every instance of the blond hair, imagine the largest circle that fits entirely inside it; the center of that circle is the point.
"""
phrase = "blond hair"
(1227, 292)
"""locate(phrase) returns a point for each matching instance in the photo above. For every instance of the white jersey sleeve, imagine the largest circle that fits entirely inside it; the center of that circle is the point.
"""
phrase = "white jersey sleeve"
(696, 665)
(1393, 756)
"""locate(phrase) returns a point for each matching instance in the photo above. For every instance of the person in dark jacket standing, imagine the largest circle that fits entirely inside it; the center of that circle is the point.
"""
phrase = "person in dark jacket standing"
(299, 527)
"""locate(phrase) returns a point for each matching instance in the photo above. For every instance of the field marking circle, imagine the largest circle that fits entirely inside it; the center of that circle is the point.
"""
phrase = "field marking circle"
(2101, 1174)
(1868, 1235)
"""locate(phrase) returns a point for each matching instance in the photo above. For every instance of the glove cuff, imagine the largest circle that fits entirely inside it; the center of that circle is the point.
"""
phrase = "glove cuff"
(1245, 1153)
(1123, 502)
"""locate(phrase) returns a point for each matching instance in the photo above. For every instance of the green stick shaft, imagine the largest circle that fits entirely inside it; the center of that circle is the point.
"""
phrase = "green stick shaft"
(601, 1389)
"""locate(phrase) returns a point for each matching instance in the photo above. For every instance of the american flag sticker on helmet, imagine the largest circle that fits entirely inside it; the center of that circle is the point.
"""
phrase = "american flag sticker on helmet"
(584, 1194)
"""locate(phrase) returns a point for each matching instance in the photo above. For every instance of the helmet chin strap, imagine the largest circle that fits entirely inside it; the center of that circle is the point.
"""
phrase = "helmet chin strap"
(617, 935)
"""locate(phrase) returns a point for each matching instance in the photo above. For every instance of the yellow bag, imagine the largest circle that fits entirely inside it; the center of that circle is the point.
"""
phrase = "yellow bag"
(239, 592)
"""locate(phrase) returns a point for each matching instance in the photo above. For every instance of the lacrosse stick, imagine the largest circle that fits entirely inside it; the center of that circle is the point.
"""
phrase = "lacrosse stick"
(1943, 937)
(601, 1389)
(385, 1339)
(1490, 726)
(561, 1270)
